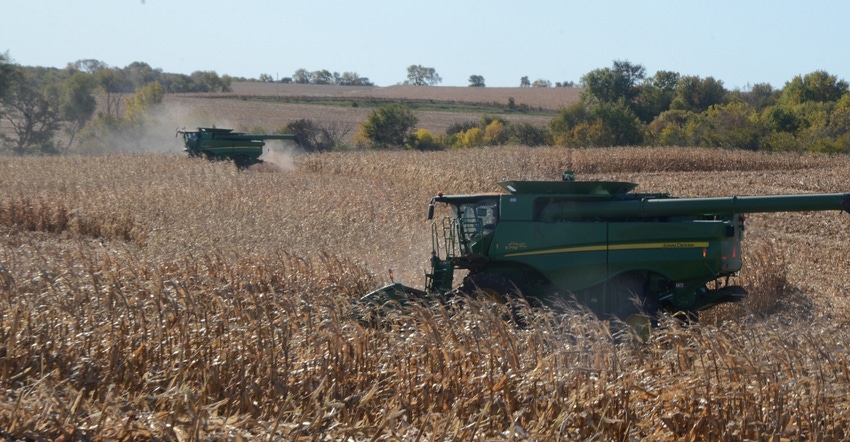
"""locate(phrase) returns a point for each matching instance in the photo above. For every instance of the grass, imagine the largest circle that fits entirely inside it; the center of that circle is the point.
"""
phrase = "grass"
(158, 297)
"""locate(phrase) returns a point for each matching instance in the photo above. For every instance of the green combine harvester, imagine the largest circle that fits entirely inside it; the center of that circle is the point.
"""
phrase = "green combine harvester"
(620, 254)
(224, 144)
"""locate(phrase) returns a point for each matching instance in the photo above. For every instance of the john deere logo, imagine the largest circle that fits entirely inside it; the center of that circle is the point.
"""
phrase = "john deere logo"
(678, 245)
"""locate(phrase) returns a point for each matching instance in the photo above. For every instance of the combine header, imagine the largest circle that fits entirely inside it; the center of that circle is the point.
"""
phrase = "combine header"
(594, 242)
(224, 144)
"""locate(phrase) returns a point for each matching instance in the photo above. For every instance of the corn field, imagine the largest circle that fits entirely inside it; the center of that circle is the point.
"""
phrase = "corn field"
(156, 297)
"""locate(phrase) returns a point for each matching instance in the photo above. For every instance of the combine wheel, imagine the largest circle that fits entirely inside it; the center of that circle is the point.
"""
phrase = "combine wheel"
(637, 311)
(497, 288)
(241, 161)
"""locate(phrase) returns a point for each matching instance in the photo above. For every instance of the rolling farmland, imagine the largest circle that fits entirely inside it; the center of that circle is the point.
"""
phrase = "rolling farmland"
(156, 297)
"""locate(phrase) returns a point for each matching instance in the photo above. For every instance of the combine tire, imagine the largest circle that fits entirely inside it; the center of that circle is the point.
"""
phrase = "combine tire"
(242, 161)
(499, 289)
(637, 311)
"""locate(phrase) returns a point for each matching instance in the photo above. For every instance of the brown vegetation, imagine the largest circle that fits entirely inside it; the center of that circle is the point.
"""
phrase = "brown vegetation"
(155, 296)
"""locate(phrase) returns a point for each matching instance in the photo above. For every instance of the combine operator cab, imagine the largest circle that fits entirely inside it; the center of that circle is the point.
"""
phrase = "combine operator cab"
(462, 239)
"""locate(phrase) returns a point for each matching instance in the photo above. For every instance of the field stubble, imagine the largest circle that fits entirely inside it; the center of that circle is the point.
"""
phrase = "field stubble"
(154, 296)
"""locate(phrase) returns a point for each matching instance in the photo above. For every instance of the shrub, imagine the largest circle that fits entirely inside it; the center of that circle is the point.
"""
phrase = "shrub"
(458, 127)
(316, 137)
(495, 133)
(423, 139)
(472, 138)
(527, 134)
(389, 126)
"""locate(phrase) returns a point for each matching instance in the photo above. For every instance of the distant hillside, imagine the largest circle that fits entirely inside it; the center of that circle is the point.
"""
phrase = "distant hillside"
(543, 98)
(249, 106)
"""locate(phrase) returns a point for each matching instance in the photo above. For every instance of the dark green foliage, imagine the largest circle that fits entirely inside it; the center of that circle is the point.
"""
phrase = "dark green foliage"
(418, 75)
(760, 96)
(568, 118)
(817, 86)
(597, 124)
(476, 81)
(620, 121)
(31, 105)
(76, 101)
(389, 126)
(781, 119)
(303, 76)
(730, 126)
(461, 126)
(527, 134)
(8, 72)
(621, 81)
(487, 119)
(697, 94)
(655, 95)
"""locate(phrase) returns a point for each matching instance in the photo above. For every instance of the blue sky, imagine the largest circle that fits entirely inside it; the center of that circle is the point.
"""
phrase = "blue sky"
(739, 42)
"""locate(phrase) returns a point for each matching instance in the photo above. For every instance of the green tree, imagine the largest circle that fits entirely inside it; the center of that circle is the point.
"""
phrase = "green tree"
(8, 74)
(301, 76)
(353, 79)
(668, 129)
(87, 66)
(138, 74)
(697, 94)
(321, 77)
(526, 134)
(599, 124)
(624, 127)
(622, 80)
(760, 96)
(817, 86)
(541, 83)
(140, 105)
(655, 95)
(730, 126)
(782, 119)
(567, 119)
(113, 85)
(389, 126)
(31, 111)
(524, 82)
(476, 81)
(418, 75)
(208, 81)
(76, 103)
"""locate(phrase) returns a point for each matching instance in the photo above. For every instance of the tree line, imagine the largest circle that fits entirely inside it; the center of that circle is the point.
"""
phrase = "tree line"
(619, 105)
(417, 75)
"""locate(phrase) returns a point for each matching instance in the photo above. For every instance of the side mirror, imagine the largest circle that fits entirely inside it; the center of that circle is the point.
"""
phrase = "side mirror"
(431, 210)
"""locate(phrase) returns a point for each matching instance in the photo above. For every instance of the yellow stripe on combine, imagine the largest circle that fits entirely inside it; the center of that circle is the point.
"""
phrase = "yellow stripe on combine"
(602, 248)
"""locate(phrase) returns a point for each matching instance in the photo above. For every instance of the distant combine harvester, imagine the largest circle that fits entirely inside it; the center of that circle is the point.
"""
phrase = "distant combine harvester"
(224, 144)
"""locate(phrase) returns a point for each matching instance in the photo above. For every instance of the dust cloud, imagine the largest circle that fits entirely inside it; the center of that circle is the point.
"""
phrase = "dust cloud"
(158, 134)
(281, 154)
